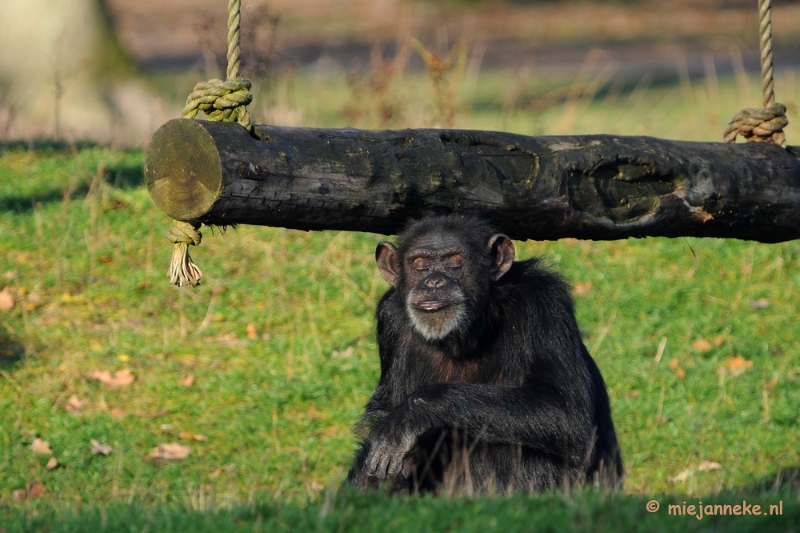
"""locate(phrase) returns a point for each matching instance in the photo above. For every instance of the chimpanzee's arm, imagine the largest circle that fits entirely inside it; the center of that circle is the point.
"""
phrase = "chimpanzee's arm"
(380, 405)
(530, 416)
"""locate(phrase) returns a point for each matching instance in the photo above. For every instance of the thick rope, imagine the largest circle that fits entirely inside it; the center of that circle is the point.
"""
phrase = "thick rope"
(223, 101)
(765, 41)
(764, 124)
(234, 29)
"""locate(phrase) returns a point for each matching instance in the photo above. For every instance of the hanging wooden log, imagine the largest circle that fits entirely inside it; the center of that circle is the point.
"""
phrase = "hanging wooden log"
(599, 187)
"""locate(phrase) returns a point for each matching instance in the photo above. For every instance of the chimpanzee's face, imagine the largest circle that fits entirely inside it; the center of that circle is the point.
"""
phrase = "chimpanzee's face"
(434, 272)
(444, 278)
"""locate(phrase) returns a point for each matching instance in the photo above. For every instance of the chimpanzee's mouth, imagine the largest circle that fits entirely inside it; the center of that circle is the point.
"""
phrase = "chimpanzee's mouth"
(432, 305)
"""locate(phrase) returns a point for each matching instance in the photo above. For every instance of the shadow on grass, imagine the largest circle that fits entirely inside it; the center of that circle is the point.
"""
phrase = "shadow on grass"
(45, 146)
(346, 510)
(123, 175)
(22, 204)
(11, 351)
(785, 478)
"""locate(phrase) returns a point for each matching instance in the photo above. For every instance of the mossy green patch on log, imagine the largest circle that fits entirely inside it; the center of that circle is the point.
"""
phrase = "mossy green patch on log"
(590, 187)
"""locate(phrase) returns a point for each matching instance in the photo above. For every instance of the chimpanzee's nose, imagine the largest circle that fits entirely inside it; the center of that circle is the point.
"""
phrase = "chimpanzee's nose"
(436, 280)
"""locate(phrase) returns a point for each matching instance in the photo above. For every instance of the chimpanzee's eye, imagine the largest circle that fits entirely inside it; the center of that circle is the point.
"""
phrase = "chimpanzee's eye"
(455, 263)
(420, 264)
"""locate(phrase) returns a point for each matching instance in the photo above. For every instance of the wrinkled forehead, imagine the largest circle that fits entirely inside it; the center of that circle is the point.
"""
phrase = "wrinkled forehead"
(436, 241)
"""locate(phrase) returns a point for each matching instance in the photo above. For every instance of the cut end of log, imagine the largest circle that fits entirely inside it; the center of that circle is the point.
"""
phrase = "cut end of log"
(182, 169)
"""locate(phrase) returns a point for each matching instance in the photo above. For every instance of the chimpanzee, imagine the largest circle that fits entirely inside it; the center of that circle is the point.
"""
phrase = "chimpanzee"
(485, 385)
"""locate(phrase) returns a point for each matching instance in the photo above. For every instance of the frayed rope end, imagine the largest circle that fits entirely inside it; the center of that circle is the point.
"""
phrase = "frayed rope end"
(182, 271)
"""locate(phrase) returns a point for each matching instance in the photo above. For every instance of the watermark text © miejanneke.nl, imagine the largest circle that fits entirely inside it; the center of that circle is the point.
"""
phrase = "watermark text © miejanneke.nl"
(700, 510)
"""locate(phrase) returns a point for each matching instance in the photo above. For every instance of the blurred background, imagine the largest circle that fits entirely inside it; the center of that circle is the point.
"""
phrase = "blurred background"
(114, 70)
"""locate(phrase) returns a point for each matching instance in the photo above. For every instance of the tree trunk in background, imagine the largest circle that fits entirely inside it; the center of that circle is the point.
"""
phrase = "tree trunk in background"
(589, 187)
(63, 75)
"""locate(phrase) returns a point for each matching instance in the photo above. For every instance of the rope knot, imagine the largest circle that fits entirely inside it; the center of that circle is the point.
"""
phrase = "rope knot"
(221, 100)
(761, 124)
(184, 233)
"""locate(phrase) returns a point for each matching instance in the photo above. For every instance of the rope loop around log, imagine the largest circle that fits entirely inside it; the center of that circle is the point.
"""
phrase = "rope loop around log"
(184, 233)
(221, 100)
(762, 124)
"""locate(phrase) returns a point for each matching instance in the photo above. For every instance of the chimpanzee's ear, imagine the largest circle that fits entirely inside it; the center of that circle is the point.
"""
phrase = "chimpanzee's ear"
(389, 262)
(502, 251)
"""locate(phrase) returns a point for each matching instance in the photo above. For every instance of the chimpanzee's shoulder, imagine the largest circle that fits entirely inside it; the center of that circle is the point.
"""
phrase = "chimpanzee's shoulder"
(534, 274)
(390, 304)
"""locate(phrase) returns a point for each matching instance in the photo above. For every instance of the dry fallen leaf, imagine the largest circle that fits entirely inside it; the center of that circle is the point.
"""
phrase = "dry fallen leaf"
(75, 404)
(702, 345)
(251, 332)
(6, 300)
(98, 448)
(170, 451)
(187, 380)
(702, 467)
(230, 340)
(117, 413)
(159, 414)
(345, 354)
(34, 490)
(582, 288)
(735, 366)
(683, 475)
(41, 446)
(51, 464)
(185, 435)
(761, 303)
(121, 378)
(718, 340)
(709, 465)
(675, 366)
(222, 469)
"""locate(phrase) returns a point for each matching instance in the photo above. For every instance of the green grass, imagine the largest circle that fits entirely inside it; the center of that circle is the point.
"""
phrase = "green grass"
(346, 511)
(280, 340)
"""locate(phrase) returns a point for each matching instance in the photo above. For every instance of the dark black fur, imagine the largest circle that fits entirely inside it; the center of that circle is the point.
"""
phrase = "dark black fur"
(509, 402)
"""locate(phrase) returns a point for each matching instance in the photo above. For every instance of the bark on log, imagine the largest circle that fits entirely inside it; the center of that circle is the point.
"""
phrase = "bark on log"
(589, 187)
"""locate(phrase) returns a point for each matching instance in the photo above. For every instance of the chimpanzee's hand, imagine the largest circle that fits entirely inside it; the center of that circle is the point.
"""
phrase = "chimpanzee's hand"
(389, 446)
